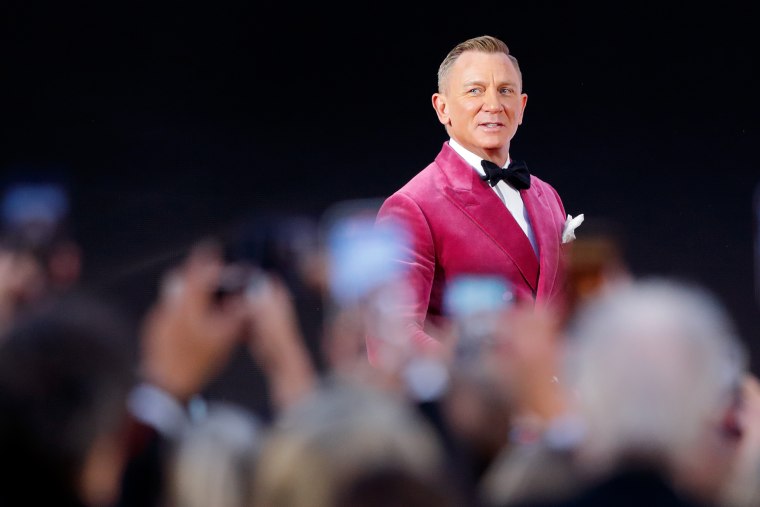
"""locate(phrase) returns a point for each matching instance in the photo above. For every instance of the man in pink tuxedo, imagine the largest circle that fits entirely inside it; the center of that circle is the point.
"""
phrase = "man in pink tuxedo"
(474, 210)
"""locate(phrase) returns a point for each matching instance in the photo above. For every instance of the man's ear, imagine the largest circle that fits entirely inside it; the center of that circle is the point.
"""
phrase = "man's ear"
(441, 107)
(523, 103)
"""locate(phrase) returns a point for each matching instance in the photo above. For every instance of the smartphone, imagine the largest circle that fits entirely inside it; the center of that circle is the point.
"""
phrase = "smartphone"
(362, 255)
(474, 303)
(236, 279)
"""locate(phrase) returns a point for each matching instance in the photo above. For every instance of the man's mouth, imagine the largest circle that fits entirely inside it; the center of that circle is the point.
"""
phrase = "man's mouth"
(491, 125)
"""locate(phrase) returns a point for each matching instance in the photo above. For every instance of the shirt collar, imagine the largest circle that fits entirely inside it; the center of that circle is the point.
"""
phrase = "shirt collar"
(470, 157)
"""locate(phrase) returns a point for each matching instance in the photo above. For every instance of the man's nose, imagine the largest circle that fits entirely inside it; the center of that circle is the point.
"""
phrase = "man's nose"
(491, 100)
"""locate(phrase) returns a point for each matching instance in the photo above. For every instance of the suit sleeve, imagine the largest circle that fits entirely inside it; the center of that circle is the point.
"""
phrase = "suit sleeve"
(418, 261)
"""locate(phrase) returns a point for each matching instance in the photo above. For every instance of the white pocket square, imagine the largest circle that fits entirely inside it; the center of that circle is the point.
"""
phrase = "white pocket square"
(568, 231)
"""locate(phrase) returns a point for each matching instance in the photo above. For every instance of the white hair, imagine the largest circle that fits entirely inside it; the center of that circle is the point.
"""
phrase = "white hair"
(338, 433)
(652, 363)
(214, 461)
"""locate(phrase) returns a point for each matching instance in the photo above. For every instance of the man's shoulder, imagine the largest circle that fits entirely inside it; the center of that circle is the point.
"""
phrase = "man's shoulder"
(420, 193)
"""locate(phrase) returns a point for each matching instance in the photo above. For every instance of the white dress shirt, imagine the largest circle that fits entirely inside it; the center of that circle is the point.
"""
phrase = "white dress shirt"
(509, 195)
(160, 410)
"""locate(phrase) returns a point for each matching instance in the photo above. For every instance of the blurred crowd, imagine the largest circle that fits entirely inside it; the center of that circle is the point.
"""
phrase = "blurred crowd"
(637, 392)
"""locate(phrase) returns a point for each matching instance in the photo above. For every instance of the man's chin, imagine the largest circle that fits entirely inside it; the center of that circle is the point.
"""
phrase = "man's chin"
(494, 146)
(494, 141)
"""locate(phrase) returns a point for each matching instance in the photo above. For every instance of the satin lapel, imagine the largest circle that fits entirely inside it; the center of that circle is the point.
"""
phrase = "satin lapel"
(481, 204)
(542, 221)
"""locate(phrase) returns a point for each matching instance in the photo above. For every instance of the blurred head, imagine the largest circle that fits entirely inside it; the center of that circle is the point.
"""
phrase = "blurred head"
(65, 371)
(214, 461)
(35, 225)
(480, 99)
(596, 261)
(342, 432)
(653, 367)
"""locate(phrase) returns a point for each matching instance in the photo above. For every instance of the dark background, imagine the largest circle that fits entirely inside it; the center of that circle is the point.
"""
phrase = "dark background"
(172, 120)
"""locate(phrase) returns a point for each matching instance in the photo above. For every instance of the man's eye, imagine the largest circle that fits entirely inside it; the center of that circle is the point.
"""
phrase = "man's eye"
(474, 91)
(507, 90)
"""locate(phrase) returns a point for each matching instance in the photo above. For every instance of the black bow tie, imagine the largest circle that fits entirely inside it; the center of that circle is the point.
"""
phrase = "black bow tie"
(516, 174)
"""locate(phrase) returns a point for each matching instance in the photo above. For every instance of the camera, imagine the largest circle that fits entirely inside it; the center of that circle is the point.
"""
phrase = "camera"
(238, 278)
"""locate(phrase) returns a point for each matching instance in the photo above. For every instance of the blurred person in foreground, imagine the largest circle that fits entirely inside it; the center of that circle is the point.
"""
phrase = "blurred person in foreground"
(215, 459)
(596, 263)
(504, 391)
(325, 449)
(39, 256)
(650, 371)
(65, 371)
(367, 292)
(478, 407)
(206, 308)
(743, 488)
(523, 353)
(475, 209)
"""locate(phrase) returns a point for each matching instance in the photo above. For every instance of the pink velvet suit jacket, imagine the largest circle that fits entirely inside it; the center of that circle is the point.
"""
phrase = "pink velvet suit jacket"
(459, 225)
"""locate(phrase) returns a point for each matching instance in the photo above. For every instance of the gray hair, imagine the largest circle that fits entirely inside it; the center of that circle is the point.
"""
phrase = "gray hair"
(215, 459)
(651, 363)
(483, 44)
(338, 433)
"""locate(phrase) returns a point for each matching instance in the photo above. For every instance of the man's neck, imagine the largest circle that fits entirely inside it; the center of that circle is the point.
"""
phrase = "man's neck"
(473, 158)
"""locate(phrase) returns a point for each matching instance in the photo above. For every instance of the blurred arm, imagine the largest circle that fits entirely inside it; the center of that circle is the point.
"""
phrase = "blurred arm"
(275, 342)
(187, 338)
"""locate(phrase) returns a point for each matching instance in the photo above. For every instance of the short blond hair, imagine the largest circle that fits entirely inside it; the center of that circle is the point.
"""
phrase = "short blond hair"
(483, 44)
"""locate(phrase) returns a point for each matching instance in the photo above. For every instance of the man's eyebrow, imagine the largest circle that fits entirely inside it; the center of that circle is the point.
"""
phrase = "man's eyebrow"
(478, 82)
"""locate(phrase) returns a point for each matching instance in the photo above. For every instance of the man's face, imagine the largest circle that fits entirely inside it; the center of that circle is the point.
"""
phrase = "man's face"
(482, 104)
